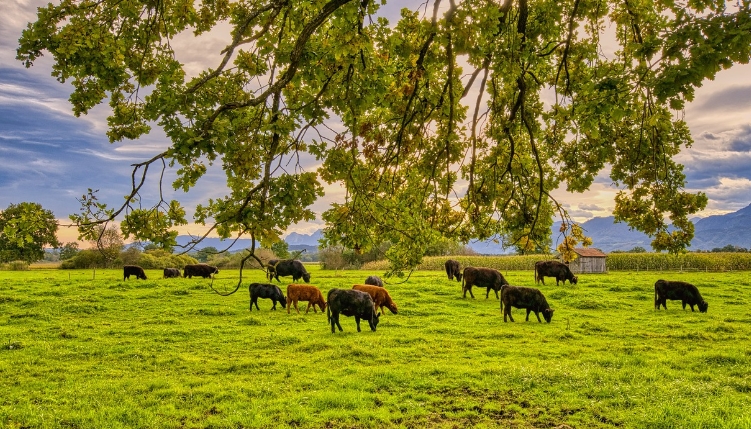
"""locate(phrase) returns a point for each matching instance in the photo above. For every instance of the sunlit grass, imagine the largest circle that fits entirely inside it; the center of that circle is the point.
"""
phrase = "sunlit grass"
(86, 349)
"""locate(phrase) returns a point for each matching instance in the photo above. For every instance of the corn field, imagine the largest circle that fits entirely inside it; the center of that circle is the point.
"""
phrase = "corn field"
(614, 262)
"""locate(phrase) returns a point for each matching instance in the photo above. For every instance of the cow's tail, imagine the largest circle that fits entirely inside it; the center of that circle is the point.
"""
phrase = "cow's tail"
(328, 312)
(537, 278)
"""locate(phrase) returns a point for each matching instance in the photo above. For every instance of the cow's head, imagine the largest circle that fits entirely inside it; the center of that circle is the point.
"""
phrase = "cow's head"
(703, 306)
(284, 302)
(458, 276)
(373, 322)
(574, 280)
(306, 277)
(141, 276)
(548, 314)
(321, 304)
(391, 306)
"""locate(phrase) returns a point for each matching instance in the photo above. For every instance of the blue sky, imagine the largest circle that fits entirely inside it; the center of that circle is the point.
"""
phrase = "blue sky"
(51, 157)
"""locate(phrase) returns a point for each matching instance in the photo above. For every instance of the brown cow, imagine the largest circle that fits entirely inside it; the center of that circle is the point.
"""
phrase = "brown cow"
(381, 297)
(309, 293)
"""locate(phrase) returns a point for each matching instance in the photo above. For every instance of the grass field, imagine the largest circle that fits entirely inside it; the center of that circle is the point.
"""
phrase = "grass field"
(80, 349)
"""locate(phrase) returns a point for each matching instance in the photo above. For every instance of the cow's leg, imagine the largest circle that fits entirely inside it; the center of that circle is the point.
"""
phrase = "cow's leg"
(273, 307)
(470, 292)
(692, 307)
(538, 317)
(496, 294)
(528, 311)
(508, 311)
(308, 308)
(332, 320)
(357, 320)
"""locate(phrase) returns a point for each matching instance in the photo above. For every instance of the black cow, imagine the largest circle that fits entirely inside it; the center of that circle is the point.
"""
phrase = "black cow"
(682, 291)
(287, 267)
(350, 302)
(265, 290)
(453, 270)
(525, 297)
(556, 269)
(482, 277)
(133, 270)
(171, 273)
(374, 281)
(201, 270)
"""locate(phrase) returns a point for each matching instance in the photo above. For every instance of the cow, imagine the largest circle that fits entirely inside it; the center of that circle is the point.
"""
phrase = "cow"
(287, 267)
(381, 297)
(525, 297)
(374, 280)
(202, 270)
(171, 273)
(350, 302)
(556, 269)
(133, 270)
(676, 290)
(265, 290)
(309, 293)
(482, 277)
(453, 270)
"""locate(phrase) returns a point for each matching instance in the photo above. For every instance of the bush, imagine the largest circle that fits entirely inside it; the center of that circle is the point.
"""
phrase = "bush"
(15, 266)
(87, 258)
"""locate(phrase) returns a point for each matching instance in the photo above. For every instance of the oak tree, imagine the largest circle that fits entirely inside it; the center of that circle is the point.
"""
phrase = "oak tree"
(455, 121)
(25, 229)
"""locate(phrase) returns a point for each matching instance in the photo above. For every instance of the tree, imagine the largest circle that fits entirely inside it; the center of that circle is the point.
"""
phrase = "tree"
(420, 159)
(109, 242)
(280, 249)
(25, 229)
(68, 250)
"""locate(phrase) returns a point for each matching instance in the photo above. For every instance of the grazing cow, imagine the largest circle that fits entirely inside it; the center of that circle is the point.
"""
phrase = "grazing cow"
(556, 269)
(374, 280)
(525, 297)
(202, 270)
(675, 290)
(287, 267)
(453, 270)
(171, 273)
(381, 297)
(350, 302)
(310, 293)
(265, 290)
(482, 277)
(133, 270)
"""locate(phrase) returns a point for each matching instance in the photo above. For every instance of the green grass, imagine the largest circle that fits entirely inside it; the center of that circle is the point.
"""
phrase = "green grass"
(80, 349)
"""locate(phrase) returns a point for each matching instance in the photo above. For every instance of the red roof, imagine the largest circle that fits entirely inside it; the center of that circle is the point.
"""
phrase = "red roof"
(589, 252)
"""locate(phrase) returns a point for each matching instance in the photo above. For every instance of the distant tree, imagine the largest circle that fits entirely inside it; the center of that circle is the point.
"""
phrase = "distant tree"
(280, 249)
(68, 250)
(638, 249)
(203, 255)
(25, 229)
(109, 242)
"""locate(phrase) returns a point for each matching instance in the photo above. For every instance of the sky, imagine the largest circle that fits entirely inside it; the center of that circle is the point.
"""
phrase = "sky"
(49, 156)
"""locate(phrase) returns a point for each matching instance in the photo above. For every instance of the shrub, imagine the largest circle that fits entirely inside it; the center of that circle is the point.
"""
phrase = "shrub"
(15, 266)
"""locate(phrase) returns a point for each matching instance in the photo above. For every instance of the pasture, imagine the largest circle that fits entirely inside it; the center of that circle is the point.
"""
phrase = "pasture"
(78, 351)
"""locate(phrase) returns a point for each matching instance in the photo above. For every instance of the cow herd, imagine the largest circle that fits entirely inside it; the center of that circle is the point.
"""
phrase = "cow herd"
(364, 301)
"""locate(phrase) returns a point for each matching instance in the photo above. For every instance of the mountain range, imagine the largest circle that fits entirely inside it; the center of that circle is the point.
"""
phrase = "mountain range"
(607, 235)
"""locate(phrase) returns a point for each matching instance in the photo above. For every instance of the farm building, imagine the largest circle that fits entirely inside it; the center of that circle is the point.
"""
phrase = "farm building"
(588, 261)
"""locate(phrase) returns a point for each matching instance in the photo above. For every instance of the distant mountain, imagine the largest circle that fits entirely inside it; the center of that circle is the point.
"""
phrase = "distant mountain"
(607, 235)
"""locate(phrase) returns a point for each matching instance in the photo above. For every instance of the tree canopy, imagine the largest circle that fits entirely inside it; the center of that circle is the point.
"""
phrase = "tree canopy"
(456, 121)
(25, 229)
